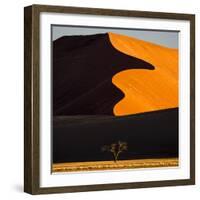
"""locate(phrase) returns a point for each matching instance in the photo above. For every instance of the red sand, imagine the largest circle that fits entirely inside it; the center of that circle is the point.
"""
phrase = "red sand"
(146, 90)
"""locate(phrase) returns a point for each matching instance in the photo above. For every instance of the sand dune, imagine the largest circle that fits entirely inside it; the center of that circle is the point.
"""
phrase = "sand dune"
(146, 90)
(148, 135)
(112, 74)
(83, 67)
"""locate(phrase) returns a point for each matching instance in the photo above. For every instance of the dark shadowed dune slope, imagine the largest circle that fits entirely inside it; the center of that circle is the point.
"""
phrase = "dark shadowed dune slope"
(149, 135)
(83, 67)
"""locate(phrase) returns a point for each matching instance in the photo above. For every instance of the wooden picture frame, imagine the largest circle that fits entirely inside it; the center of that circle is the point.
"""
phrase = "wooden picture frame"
(32, 106)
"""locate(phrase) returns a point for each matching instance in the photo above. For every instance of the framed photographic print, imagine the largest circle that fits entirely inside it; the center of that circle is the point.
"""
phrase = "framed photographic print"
(109, 99)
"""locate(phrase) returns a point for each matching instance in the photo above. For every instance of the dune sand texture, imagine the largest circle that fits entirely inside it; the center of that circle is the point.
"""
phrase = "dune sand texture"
(146, 90)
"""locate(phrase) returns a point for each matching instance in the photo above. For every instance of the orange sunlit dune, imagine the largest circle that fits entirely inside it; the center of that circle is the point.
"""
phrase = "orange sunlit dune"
(146, 90)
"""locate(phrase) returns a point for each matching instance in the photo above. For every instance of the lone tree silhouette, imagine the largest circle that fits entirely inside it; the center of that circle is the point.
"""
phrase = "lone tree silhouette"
(115, 149)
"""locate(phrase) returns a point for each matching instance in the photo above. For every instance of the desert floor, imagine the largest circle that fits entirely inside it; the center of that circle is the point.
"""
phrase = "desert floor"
(110, 165)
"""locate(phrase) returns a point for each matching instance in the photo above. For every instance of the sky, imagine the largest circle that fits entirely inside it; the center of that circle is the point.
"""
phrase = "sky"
(164, 38)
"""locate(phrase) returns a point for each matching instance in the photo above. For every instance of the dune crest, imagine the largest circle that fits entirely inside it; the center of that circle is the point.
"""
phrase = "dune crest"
(146, 90)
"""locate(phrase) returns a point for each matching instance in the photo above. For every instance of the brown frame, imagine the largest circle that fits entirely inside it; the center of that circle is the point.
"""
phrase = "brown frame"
(32, 106)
